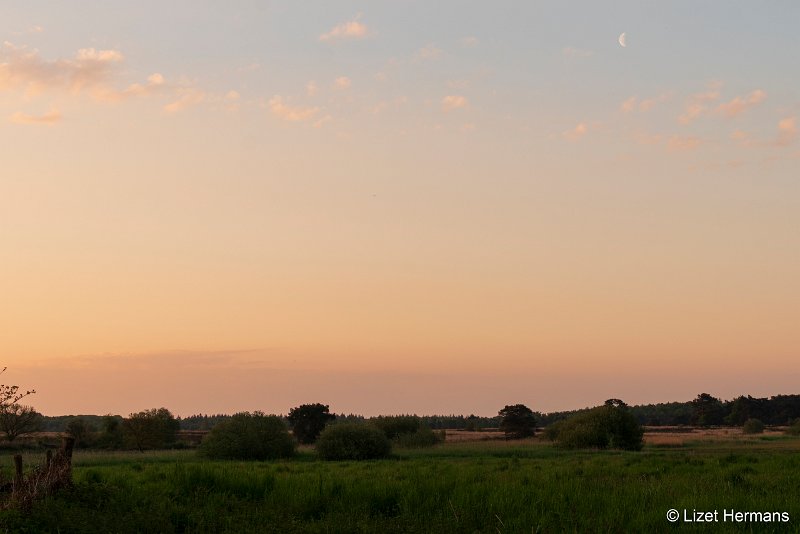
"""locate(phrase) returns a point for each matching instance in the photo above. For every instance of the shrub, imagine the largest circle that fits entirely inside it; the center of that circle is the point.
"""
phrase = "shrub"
(581, 431)
(407, 431)
(794, 428)
(248, 436)
(353, 441)
(395, 426)
(611, 425)
(423, 437)
(753, 426)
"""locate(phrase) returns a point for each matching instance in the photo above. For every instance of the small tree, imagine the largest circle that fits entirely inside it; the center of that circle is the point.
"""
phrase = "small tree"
(10, 395)
(707, 410)
(16, 420)
(111, 434)
(248, 436)
(308, 420)
(80, 430)
(471, 424)
(151, 429)
(518, 421)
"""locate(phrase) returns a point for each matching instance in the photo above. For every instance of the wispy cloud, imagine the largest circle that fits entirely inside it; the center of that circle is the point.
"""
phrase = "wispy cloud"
(428, 52)
(393, 104)
(699, 104)
(453, 102)
(743, 138)
(232, 100)
(644, 105)
(312, 88)
(23, 68)
(155, 83)
(342, 82)
(321, 122)
(290, 113)
(49, 118)
(89, 71)
(577, 132)
(787, 131)
(347, 30)
(187, 97)
(741, 103)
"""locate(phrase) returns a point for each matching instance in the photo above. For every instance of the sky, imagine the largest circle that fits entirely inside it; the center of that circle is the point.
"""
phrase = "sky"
(397, 207)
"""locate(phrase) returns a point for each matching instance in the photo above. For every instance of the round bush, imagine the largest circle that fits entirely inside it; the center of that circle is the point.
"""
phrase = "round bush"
(353, 441)
(794, 428)
(423, 437)
(602, 427)
(248, 436)
(395, 426)
(753, 426)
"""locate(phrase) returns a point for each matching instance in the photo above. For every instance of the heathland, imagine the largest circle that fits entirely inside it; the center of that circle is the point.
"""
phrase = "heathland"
(460, 485)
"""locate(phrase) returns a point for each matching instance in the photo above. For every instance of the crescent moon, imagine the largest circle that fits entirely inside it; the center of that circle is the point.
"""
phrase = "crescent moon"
(622, 39)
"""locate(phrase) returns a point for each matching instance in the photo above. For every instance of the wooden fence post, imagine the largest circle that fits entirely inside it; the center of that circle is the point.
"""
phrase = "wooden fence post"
(67, 445)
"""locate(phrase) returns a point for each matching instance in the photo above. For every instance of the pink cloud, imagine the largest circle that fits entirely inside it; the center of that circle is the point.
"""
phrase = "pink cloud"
(290, 113)
(576, 133)
(347, 30)
(643, 105)
(23, 68)
(453, 102)
(698, 104)
(740, 104)
(787, 131)
(49, 119)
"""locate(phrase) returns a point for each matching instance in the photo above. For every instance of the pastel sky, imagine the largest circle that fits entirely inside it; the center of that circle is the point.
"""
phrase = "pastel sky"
(397, 207)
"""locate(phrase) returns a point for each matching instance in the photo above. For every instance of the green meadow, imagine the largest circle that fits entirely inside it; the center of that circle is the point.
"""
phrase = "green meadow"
(454, 487)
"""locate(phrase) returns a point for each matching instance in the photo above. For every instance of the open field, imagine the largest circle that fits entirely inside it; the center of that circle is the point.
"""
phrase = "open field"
(494, 486)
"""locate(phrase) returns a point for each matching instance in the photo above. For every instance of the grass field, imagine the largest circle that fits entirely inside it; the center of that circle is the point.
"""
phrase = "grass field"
(492, 486)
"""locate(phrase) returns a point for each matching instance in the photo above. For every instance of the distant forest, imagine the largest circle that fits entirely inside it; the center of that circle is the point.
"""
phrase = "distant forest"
(704, 410)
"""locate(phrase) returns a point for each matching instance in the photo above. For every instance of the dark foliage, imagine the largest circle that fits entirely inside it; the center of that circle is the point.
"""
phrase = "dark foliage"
(609, 426)
(202, 421)
(517, 421)
(150, 429)
(16, 420)
(308, 420)
(397, 425)
(753, 426)
(110, 435)
(407, 431)
(353, 441)
(249, 436)
(79, 429)
(707, 410)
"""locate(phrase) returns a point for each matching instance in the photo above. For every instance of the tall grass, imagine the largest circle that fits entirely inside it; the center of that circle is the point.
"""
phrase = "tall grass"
(495, 487)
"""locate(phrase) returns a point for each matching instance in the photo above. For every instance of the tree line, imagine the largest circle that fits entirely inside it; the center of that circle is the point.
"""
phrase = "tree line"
(157, 428)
